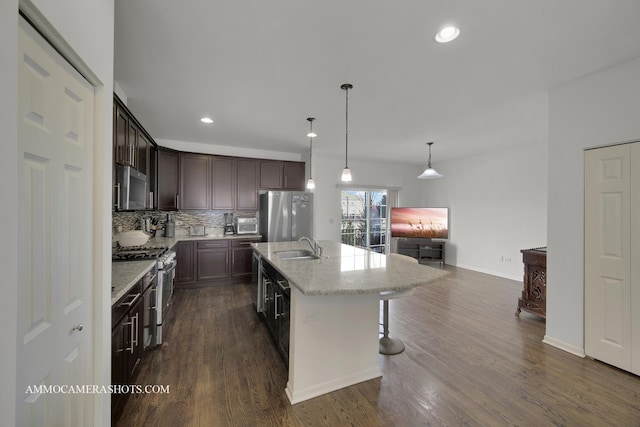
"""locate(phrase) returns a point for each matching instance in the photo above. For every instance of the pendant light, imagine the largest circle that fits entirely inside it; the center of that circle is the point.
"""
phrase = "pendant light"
(346, 172)
(310, 183)
(429, 172)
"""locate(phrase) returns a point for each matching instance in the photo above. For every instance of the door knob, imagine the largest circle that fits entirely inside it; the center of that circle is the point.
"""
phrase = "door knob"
(77, 328)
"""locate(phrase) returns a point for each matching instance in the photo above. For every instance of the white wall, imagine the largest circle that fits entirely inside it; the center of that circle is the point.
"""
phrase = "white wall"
(599, 109)
(87, 27)
(327, 172)
(497, 206)
(9, 197)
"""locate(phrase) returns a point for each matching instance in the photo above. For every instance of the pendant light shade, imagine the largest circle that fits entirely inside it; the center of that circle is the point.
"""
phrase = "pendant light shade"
(429, 172)
(346, 172)
(310, 182)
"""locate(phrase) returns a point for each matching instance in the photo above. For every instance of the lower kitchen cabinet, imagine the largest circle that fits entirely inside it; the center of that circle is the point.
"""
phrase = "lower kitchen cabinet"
(127, 339)
(276, 301)
(211, 261)
(242, 257)
(185, 263)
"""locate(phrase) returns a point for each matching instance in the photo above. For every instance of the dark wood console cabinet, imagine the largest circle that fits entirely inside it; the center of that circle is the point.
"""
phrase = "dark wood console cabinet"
(534, 294)
(424, 250)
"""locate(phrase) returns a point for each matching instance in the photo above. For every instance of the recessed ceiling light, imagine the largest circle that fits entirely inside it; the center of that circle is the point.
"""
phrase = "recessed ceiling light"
(447, 34)
(207, 120)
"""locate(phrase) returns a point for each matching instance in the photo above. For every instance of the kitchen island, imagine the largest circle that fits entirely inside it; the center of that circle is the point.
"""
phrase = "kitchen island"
(334, 311)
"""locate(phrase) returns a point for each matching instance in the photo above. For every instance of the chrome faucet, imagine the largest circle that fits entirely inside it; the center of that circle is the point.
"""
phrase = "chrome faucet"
(315, 247)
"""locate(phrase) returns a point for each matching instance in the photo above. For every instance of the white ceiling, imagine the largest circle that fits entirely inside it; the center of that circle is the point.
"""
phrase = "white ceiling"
(260, 68)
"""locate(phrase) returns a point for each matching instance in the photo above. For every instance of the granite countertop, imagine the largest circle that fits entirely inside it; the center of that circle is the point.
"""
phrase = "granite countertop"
(125, 274)
(345, 269)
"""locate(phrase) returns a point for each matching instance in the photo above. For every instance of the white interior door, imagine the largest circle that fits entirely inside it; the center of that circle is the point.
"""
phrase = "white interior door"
(608, 256)
(55, 132)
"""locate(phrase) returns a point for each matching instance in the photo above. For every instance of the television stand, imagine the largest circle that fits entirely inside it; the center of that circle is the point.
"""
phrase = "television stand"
(424, 250)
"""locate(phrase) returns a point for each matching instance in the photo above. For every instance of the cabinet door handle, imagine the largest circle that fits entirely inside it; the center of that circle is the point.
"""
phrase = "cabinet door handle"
(118, 196)
(177, 201)
(130, 340)
(276, 314)
(134, 340)
(133, 298)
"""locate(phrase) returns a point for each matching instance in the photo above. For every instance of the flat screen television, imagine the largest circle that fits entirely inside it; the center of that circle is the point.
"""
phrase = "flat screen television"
(420, 223)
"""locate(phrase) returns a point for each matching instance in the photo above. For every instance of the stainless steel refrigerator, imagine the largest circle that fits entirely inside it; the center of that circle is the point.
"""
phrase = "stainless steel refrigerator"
(286, 215)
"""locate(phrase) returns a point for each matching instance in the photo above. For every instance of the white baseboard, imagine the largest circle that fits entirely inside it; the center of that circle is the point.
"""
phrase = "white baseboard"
(493, 273)
(569, 348)
(298, 396)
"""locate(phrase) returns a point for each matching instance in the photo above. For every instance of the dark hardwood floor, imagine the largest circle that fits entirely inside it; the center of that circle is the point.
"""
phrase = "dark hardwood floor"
(468, 361)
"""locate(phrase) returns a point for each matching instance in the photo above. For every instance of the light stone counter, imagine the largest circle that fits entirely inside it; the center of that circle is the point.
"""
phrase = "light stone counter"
(125, 274)
(345, 269)
(334, 312)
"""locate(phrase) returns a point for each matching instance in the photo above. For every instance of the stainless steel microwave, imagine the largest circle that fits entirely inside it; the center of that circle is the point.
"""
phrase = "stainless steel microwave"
(131, 189)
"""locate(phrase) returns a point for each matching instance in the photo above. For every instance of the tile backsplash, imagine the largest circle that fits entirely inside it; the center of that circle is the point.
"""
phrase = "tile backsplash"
(212, 220)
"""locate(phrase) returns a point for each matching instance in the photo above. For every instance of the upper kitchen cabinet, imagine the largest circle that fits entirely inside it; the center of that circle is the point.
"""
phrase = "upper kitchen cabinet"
(132, 146)
(168, 175)
(235, 184)
(270, 175)
(224, 183)
(293, 175)
(126, 134)
(122, 154)
(247, 185)
(195, 188)
(281, 175)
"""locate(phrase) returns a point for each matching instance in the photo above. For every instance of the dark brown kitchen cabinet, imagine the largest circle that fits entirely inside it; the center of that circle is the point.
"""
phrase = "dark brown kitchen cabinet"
(282, 175)
(142, 156)
(195, 188)
(208, 262)
(235, 184)
(270, 175)
(185, 263)
(152, 178)
(122, 155)
(293, 174)
(133, 146)
(168, 176)
(127, 339)
(213, 260)
(224, 183)
(247, 185)
(242, 257)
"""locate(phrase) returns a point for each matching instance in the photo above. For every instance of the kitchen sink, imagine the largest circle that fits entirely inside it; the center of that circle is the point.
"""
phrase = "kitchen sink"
(300, 254)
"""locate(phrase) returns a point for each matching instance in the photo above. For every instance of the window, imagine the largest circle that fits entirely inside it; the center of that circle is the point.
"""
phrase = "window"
(364, 219)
